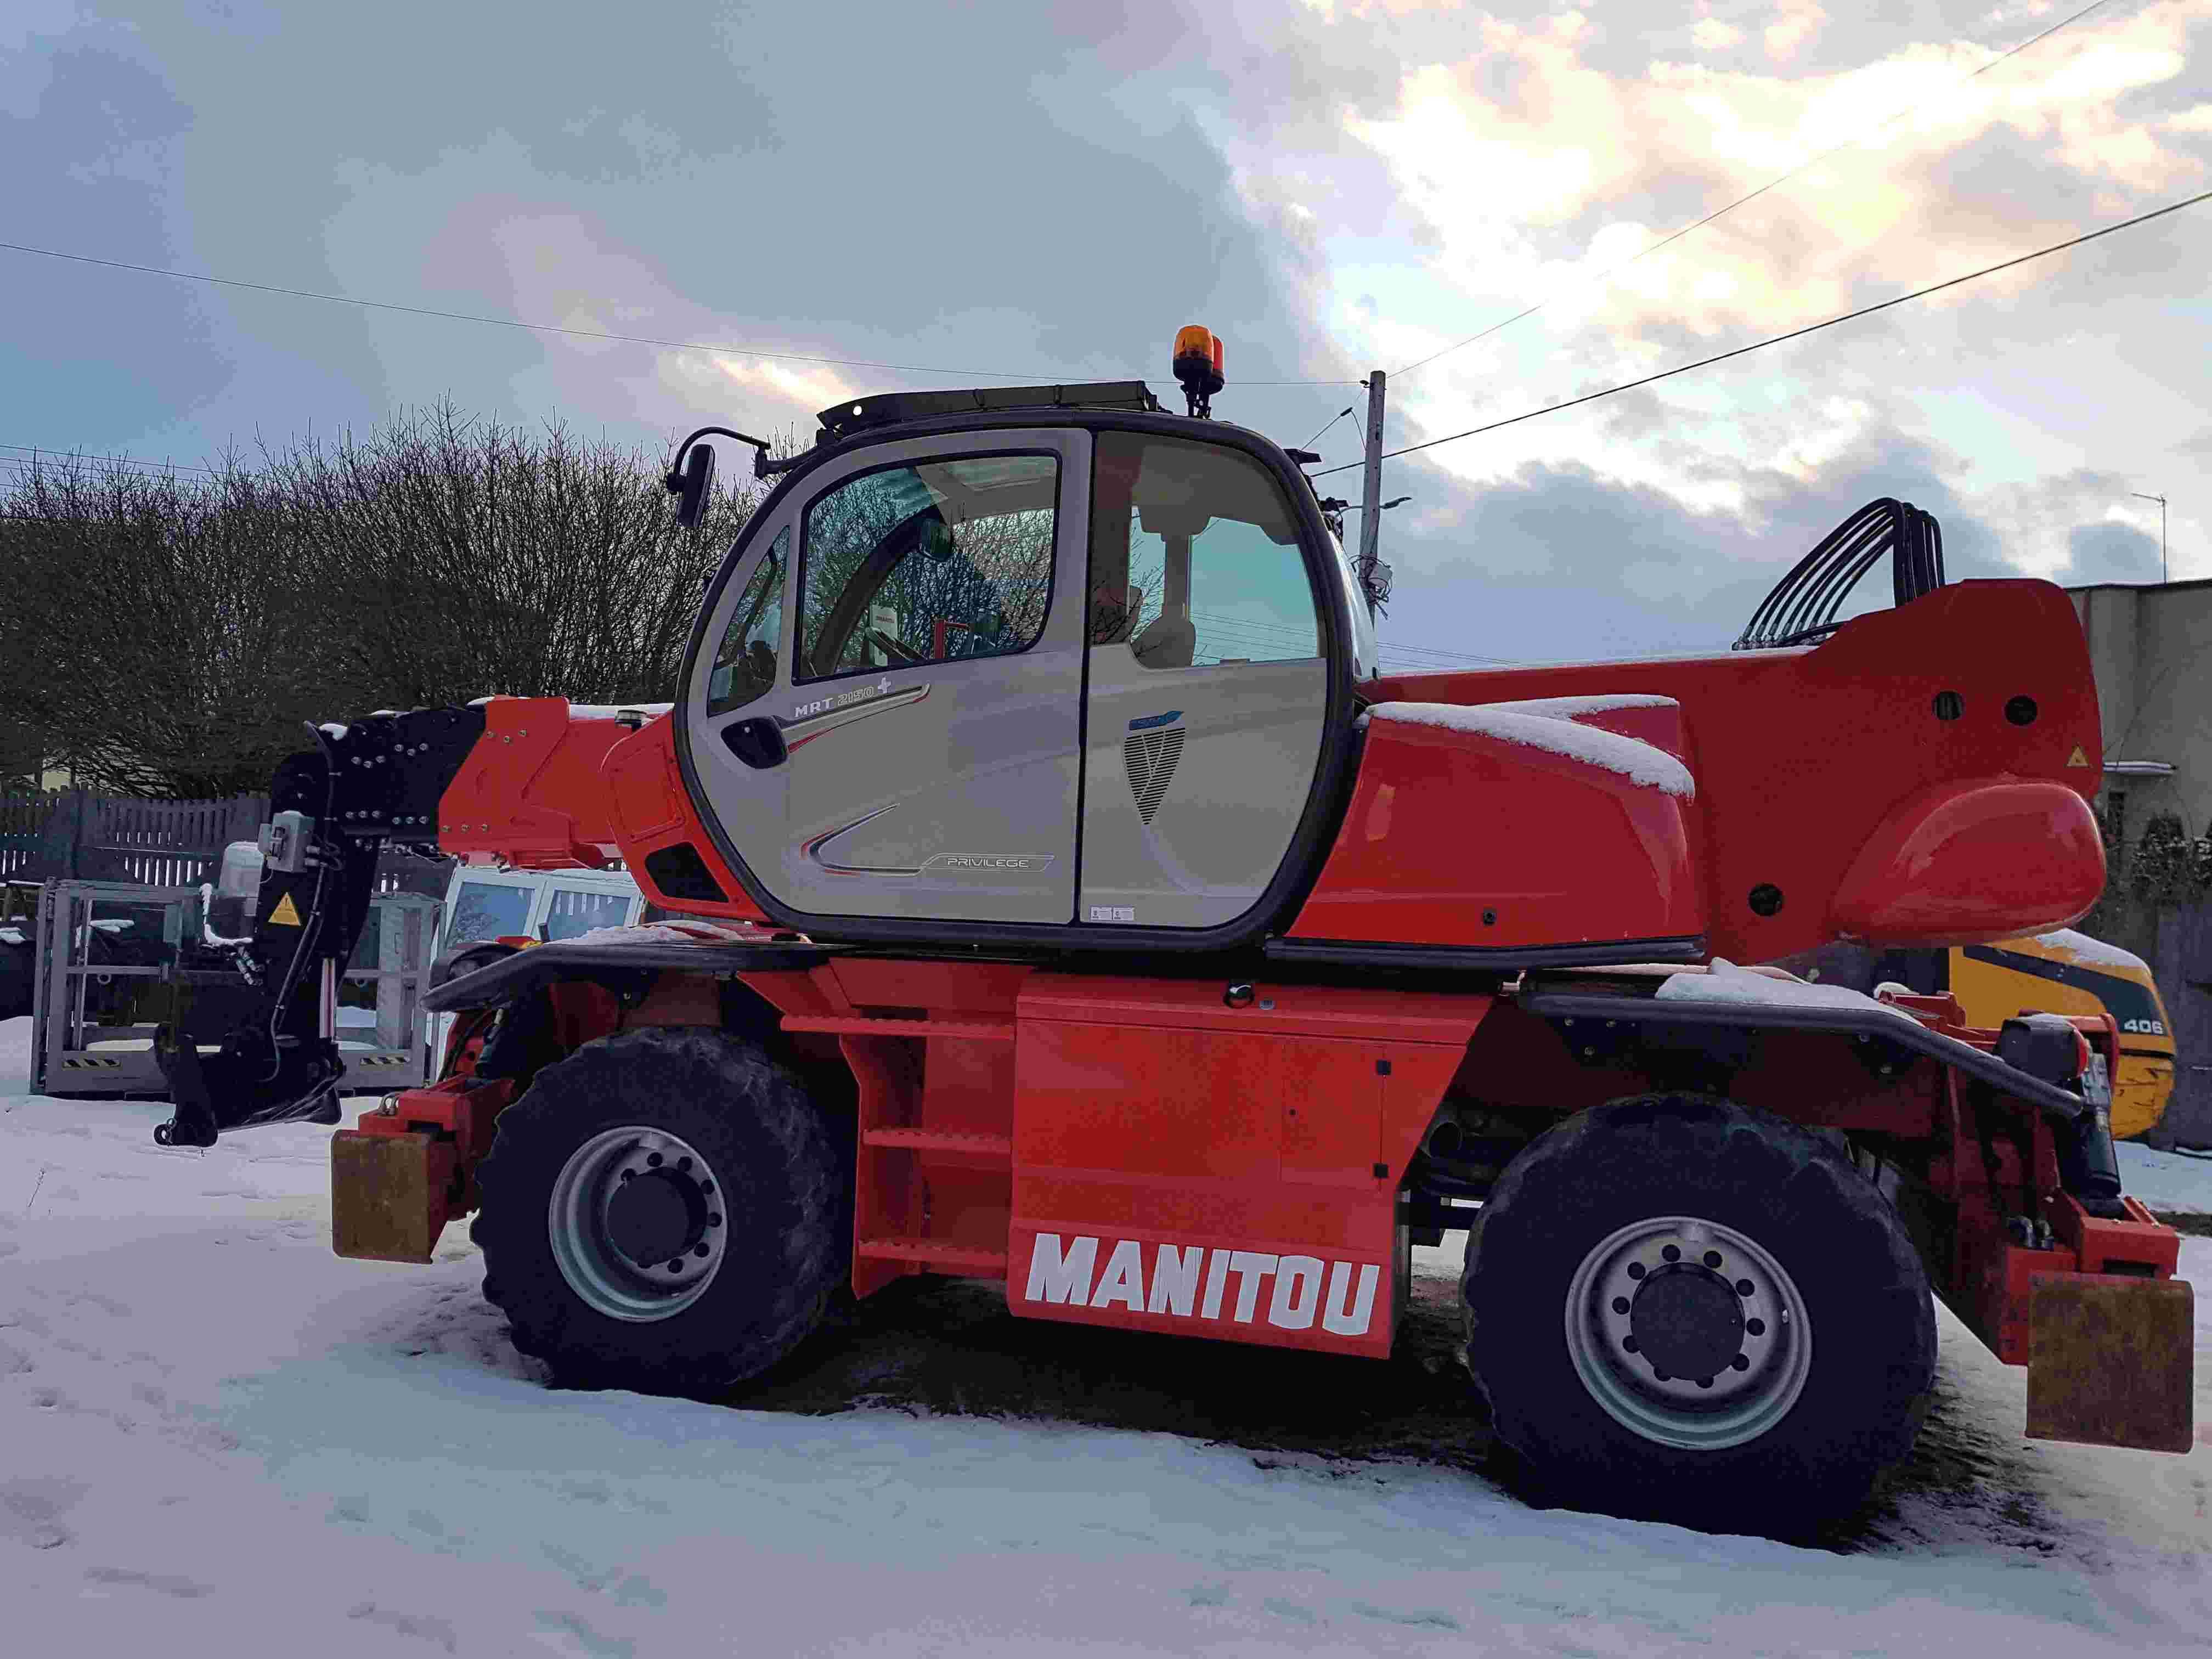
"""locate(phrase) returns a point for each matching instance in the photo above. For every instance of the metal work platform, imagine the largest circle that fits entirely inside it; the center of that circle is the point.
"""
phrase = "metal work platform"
(116, 959)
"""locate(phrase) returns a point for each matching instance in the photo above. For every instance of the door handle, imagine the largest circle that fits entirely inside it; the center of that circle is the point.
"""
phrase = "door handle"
(757, 742)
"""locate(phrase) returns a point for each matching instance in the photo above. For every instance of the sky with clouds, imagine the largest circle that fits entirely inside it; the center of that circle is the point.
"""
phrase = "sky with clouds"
(1046, 191)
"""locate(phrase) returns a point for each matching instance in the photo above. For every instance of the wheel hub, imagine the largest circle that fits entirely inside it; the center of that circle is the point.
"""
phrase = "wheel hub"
(1686, 1321)
(656, 1217)
(1688, 1332)
(636, 1224)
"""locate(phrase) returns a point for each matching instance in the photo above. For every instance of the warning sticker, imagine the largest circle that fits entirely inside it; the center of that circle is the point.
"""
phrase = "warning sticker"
(287, 913)
(2077, 758)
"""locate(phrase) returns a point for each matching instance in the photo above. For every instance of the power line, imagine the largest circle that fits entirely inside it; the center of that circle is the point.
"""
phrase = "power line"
(506, 322)
(1264, 630)
(1417, 653)
(574, 333)
(1330, 422)
(1811, 160)
(1794, 334)
(38, 453)
(1282, 634)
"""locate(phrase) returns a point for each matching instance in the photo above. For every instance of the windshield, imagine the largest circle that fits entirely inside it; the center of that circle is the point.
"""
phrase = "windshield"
(928, 563)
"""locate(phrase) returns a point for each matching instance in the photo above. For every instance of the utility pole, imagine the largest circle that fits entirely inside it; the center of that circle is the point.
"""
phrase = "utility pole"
(2160, 499)
(1370, 520)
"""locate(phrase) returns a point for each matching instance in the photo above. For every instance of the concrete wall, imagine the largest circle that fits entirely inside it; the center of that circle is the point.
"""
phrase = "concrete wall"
(2151, 647)
(2152, 650)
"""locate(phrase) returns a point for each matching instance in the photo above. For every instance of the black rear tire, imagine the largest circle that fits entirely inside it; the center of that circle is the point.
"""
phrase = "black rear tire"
(1815, 1425)
(776, 1182)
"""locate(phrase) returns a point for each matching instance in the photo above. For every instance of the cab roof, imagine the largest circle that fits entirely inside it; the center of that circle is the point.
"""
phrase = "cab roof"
(898, 408)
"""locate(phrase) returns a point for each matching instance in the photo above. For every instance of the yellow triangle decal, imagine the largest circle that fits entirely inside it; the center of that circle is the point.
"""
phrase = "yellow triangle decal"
(287, 913)
(2077, 758)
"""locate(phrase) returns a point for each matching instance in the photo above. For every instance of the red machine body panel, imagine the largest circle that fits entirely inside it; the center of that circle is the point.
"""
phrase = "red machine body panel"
(1994, 856)
(533, 791)
(1183, 1165)
(651, 811)
(1494, 838)
(1846, 742)
(546, 790)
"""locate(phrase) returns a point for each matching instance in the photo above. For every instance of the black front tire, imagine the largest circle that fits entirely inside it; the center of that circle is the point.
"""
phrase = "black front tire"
(778, 1188)
(1846, 1406)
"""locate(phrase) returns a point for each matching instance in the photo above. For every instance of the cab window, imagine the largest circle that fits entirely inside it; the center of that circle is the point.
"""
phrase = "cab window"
(1194, 557)
(487, 910)
(745, 662)
(932, 562)
(571, 913)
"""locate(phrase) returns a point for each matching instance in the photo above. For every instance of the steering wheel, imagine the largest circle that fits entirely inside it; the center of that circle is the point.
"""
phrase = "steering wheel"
(891, 648)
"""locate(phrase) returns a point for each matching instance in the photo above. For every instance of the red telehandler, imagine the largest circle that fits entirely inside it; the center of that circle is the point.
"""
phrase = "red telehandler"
(1092, 913)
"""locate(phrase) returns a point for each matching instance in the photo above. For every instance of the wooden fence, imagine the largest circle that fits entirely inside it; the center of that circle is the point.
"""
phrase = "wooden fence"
(74, 835)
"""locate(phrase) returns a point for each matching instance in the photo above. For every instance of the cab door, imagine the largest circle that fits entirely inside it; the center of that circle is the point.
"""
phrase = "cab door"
(910, 626)
(1208, 689)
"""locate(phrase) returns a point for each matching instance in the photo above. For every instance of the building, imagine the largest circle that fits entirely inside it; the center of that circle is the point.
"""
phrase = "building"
(2150, 647)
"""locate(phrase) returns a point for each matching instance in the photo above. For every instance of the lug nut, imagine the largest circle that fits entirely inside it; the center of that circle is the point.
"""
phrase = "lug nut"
(1744, 1287)
(676, 1266)
(682, 1163)
(699, 1250)
(1658, 1376)
(1712, 1258)
(705, 1186)
(1755, 1327)
(629, 1175)
(713, 1218)
(654, 1159)
(1620, 1304)
(1628, 1343)
(1742, 1362)
(1635, 1270)
(1672, 1253)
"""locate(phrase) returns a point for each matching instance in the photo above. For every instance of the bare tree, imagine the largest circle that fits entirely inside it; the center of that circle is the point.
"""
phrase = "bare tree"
(474, 559)
(152, 642)
(169, 638)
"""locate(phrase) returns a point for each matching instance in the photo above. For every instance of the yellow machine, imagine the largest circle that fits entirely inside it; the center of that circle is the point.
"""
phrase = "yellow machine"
(2068, 973)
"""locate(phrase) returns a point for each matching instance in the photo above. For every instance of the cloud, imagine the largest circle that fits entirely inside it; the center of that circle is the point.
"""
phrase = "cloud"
(1530, 158)
(1800, 20)
(1546, 185)
(1335, 186)
(1561, 561)
(2110, 552)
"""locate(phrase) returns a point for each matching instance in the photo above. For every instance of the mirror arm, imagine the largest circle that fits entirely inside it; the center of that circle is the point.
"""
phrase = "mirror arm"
(762, 467)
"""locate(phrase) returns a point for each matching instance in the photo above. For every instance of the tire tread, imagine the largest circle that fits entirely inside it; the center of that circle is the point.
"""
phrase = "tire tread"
(785, 1147)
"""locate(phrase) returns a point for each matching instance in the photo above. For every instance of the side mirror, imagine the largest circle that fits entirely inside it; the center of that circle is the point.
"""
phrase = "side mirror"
(692, 486)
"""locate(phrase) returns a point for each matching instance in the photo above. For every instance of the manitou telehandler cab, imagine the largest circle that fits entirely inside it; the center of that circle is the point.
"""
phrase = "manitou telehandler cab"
(1094, 916)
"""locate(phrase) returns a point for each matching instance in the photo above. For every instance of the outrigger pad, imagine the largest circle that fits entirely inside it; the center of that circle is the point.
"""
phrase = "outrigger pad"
(387, 1195)
(2109, 1361)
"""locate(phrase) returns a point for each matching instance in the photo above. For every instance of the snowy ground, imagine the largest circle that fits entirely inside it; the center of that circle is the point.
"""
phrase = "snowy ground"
(217, 1437)
(2174, 1183)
